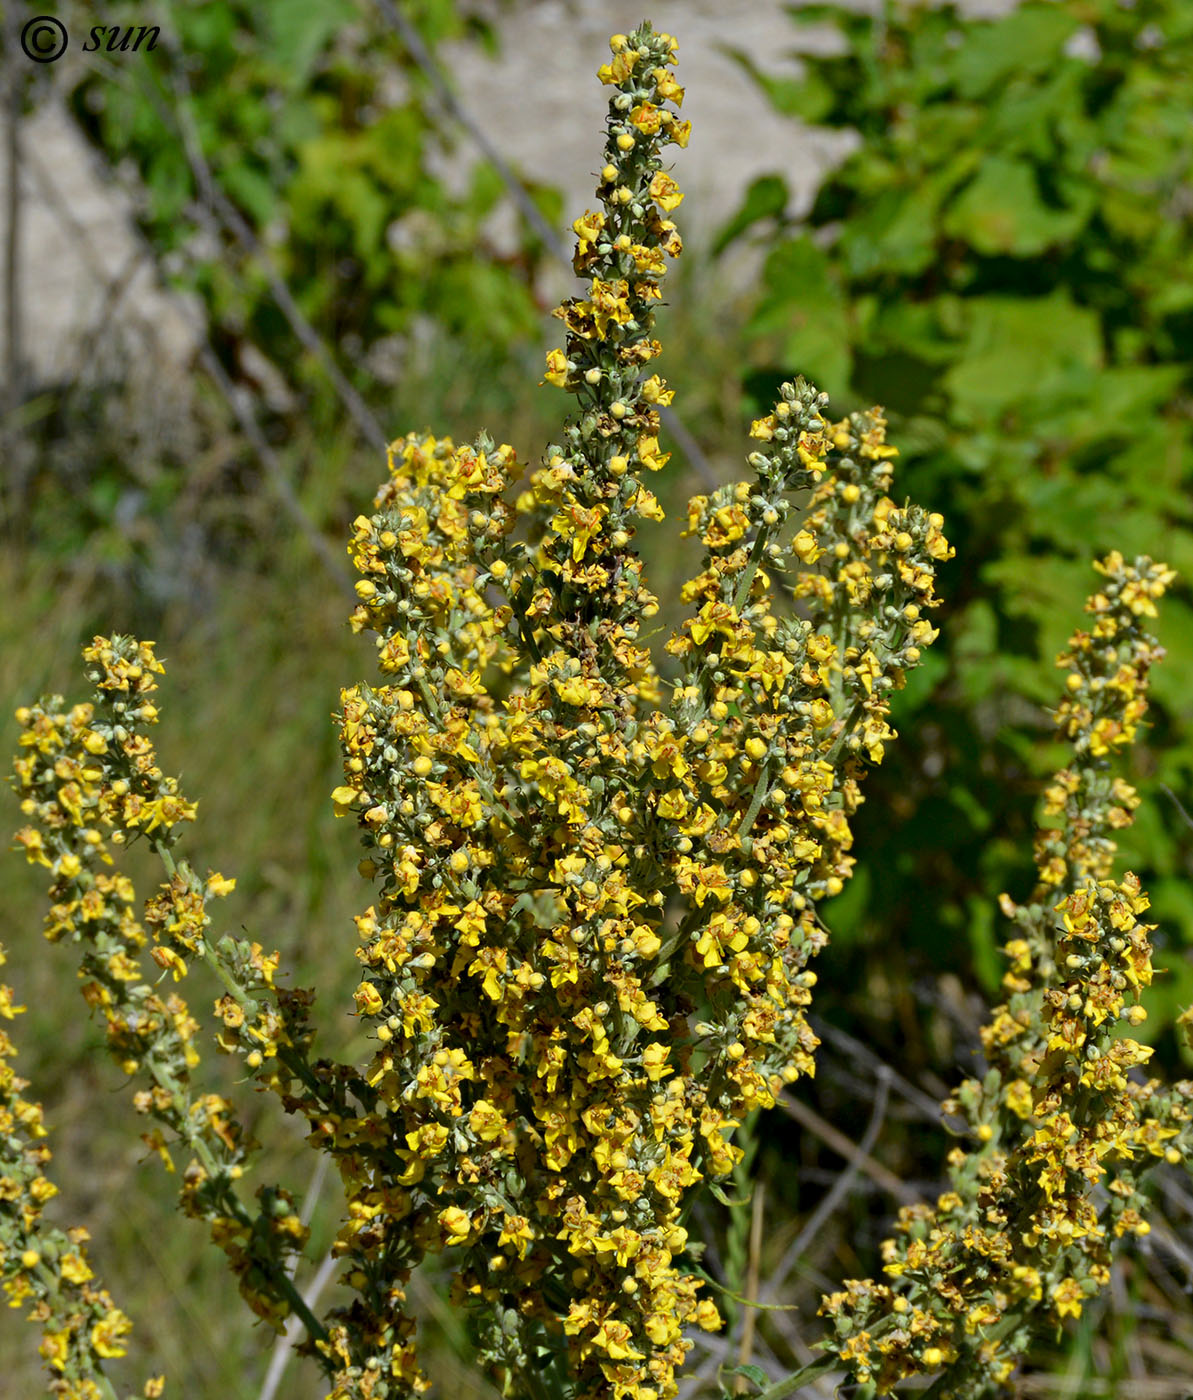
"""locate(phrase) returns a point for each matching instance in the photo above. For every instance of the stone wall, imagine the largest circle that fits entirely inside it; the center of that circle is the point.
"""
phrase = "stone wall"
(89, 287)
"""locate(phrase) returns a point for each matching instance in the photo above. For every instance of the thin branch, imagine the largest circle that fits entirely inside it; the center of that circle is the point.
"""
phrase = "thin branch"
(1177, 803)
(845, 1147)
(413, 41)
(284, 1346)
(1166, 1239)
(750, 1322)
(113, 296)
(925, 1104)
(274, 471)
(836, 1194)
(688, 445)
(311, 1199)
(231, 219)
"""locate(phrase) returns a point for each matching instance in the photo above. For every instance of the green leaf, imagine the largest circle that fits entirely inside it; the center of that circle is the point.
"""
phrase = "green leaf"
(752, 1373)
(765, 199)
(1064, 507)
(719, 1193)
(802, 299)
(895, 233)
(1126, 393)
(1029, 40)
(790, 1383)
(392, 147)
(1046, 591)
(1025, 120)
(913, 328)
(299, 30)
(737, 1297)
(1000, 211)
(251, 188)
(1021, 350)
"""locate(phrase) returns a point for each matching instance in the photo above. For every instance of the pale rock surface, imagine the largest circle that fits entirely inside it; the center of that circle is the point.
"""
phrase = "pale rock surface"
(88, 286)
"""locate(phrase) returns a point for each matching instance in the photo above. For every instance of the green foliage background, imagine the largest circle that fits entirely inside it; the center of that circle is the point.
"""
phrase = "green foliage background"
(1004, 262)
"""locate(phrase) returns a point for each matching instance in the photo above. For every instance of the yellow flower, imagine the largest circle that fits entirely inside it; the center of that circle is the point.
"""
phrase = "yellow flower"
(108, 1332)
(344, 798)
(74, 1268)
(647, 118)
(649, 455)
(456, 1223)
(557, 369)
(576, 691)
(665, 192)
(620, 69)
(486, 1121)
(647, 505)
(655, 390)
(578, 524)
(368, 1000)
(588, 227)
(1067, 1298)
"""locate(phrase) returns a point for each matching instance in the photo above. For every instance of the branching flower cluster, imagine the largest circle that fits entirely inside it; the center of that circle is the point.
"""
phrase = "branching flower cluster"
(595, 890)
(45, 1268)
(90, 785)
(1062, 1126)
(572, 867)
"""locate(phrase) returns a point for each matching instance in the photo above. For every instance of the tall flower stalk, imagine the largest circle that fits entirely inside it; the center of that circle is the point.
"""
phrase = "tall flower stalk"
(587, 958)
(1062, 1128)
(90, 786)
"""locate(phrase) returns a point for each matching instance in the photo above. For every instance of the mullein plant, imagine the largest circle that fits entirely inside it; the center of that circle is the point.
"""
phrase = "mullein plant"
(587, 955)
(1062, 1128)
(586, 959)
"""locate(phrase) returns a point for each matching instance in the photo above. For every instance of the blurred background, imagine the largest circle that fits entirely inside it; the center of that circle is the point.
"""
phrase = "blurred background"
(247, 244)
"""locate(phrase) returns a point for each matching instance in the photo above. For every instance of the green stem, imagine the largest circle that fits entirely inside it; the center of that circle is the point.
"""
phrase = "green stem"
(166, 858)
(280, 1279)
(244, 999)
(428, 698)
(810, 1372)
(765, 783)
(850, 720)
(298, 1305)
(752, 565)
(525, 631)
